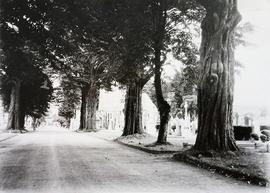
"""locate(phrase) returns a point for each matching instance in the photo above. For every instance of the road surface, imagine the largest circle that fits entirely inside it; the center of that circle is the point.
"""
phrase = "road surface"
(55, 160)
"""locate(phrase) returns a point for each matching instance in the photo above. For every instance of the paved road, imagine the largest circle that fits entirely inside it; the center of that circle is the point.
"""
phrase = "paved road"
(56, 160)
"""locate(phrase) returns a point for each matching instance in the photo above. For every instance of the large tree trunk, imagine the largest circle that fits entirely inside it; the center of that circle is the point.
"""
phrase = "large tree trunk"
(133, 109)
(11, 110)
(91, 107)
(84, 92)
(14, 118)
(163, 106)
(18, 113)
(68, 123)
(22, 119)
(90, 98)
(34, 123)
(215, 89)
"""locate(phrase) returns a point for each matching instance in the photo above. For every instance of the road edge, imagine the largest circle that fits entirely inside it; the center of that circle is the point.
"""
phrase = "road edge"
(145, 149)
(7, 138)
(232, 173)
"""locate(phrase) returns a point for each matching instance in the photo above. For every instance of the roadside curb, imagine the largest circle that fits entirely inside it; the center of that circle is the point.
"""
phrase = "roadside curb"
(144, 148)
(227, 172)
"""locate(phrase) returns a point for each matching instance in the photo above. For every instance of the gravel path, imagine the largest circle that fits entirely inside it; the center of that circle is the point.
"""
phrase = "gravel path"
(55, 160)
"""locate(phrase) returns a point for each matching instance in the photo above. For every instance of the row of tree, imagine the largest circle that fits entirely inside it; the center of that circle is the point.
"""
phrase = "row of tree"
(94, 44)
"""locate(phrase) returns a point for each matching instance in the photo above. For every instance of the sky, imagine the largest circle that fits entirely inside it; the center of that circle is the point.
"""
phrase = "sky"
(252, 85)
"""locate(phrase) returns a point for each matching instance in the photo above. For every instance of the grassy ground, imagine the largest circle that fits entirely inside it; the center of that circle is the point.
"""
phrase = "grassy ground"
(250, 164)
(147, 142)
(245, 165)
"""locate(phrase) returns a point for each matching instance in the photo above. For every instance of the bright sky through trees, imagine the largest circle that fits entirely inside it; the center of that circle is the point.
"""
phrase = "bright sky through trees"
(252, 85)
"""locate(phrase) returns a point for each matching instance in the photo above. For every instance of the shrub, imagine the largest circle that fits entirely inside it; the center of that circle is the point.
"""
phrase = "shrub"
(255, 136)
(266, 133)
(263, 138)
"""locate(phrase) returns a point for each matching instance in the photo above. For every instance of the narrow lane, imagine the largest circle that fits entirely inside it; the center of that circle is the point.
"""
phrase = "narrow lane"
(55, 160)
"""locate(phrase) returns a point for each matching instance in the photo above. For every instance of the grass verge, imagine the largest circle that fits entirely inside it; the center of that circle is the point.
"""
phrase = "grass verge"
(245, 166)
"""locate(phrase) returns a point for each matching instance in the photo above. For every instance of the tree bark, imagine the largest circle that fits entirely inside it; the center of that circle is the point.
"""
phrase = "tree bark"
(17, 114)
(84, 92)
(22, 119)
(91, 107)
(14, 118)
(90, 98)
(68, 123)
(34, 123)
(163, 106)
(11, 110)
(133, 109)
(215, 89)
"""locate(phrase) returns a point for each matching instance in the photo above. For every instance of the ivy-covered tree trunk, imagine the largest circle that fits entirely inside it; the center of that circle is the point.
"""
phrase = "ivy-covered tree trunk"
(215, 89)
(133, 109)
(90, 98)
(163, 106)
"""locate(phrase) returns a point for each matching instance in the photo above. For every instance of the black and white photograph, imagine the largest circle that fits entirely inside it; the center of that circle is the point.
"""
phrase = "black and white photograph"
(134, 96)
